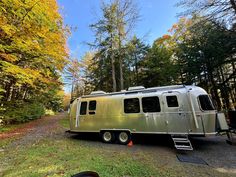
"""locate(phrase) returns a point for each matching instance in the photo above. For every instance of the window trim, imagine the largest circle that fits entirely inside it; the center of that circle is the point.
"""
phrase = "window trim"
(167, 102)
(150, 97)
(92, 111)
(140, 108)
(86, 108)
(200, 106)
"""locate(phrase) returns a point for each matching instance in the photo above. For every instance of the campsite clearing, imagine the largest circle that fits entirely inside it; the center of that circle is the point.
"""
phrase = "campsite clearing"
(44, 149)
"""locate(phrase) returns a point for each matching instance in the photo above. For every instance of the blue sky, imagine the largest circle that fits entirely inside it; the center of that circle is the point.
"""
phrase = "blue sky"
(157, 16)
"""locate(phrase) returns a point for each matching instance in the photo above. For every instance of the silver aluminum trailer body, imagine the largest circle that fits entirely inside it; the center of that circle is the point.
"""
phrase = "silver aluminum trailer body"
(171, 110)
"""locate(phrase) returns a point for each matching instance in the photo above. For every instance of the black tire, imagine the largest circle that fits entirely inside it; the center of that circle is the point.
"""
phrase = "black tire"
(107, 136)
(124, 137)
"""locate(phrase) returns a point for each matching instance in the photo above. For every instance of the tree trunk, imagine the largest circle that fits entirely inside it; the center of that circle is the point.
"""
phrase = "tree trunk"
(121, 75)
(10, 93)
(214, 91)
(24, 94)
(225, 90)
(119, 27)
(136, 69)
(121, 65)
(72, 89)
(113, 66)
(113, 72)
(233, 89)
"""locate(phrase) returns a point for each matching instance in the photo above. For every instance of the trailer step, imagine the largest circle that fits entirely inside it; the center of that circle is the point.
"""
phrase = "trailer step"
(181, 142)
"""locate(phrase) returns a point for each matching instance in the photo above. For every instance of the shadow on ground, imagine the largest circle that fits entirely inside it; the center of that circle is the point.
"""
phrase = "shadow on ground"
(138, 139)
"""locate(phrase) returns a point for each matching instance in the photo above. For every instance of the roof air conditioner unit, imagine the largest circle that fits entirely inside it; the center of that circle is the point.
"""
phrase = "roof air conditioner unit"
(97, 92)
(136, 88)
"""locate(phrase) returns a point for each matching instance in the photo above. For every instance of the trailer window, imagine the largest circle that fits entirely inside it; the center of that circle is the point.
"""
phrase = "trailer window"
(83, 108)
(151, 104)
(131, 105)
(172, 101)
(92, 105)
(205, 102)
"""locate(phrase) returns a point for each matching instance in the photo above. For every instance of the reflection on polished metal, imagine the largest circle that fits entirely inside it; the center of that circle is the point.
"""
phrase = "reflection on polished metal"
(174, 110)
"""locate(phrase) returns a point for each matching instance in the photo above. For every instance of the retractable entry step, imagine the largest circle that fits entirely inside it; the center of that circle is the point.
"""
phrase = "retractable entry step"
(181, 142)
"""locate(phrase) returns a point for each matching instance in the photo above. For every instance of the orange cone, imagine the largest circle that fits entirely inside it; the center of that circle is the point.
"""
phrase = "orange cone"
(130, 144)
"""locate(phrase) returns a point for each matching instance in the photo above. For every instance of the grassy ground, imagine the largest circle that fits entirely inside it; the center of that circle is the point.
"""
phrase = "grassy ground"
(66, 156)
(8, 128)
(58, 154)
(64, 122)
(5, 142)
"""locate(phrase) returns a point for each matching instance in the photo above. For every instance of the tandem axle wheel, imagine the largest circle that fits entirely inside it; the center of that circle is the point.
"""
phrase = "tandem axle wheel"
(108, 136)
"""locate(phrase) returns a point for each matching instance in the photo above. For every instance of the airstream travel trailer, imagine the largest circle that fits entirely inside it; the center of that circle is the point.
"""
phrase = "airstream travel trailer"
(176, 110)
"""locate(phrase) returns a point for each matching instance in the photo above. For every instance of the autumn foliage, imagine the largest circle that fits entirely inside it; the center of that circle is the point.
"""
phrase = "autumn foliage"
(32, 52)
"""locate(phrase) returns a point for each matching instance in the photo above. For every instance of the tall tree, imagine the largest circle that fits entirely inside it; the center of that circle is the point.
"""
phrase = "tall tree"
(127, 16)
(136, 52)
(221, 14)
(214, 10)
(32, 44)
(105, 34)
(32, 49)
(159, 65)
(73, 76)
(202, 53)
(112, 32)
(90, 68)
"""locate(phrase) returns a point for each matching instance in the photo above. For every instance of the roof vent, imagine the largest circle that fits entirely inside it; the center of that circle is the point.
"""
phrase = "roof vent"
(136, 88)
(99, 92)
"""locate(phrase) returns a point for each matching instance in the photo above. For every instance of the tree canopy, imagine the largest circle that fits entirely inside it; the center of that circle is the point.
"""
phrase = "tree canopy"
(199, 49)
(32, 51)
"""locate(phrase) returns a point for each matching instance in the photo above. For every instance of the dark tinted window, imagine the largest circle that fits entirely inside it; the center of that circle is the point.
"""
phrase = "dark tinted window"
(83, 108)
(92, 105)
(205, 103)
(131, 105)
(172, 101)
(151, 104)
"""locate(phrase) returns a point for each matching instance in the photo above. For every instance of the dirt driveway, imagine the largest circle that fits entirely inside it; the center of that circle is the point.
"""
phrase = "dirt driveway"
(35, 130)
(220, 157)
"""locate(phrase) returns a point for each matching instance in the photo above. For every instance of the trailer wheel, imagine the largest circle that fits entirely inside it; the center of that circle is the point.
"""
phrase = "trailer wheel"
(124, 137)
(107, 137)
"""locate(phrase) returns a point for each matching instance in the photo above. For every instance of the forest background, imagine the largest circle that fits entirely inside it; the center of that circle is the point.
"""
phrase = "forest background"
(199, 49)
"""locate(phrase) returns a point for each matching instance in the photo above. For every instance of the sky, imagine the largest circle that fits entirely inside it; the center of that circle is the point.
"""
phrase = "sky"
(157, 16)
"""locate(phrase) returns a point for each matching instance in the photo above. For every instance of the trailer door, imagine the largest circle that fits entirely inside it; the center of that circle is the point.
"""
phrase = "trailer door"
(174, 113)
(81, 112)
(152, 110)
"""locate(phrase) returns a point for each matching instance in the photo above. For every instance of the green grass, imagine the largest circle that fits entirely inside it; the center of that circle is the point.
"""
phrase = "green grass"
(65, 122)
(66, 157)
(5, 142)
(7, 128)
